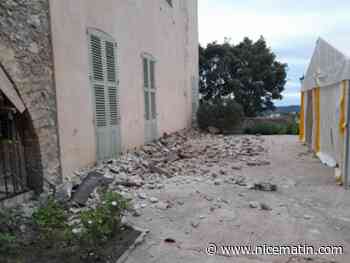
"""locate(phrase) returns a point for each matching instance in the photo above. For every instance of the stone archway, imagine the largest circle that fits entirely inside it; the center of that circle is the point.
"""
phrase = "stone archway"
(26, 58)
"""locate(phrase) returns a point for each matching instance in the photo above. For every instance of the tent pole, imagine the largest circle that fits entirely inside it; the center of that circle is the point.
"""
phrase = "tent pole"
(347, 140)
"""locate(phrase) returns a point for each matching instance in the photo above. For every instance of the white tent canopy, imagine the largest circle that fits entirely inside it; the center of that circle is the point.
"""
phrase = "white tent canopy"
(328, 66)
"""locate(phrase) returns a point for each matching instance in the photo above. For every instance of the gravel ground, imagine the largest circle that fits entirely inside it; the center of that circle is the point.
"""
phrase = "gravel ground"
(211, 200)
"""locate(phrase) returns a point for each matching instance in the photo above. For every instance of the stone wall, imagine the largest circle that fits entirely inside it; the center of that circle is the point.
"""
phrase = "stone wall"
(26, 56)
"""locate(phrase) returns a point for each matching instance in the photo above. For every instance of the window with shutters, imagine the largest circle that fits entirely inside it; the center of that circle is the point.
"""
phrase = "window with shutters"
(149, 87)
(105, 89)
(104, 78)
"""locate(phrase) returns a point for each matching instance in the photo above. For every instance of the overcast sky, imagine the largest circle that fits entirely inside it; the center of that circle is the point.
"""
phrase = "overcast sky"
(290, 27)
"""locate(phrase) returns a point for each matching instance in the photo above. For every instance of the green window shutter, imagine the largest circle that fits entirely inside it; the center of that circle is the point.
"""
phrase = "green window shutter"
(145, 72)
(152, 63)
(111, 62)
(97, 58)
(112, 74)
(100, 106)
(147, 113)
(113, 106)
(104, 73)
(97, 77)
(153, 105)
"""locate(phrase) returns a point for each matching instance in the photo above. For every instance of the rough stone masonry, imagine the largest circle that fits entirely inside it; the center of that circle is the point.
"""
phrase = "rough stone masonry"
(26, 56)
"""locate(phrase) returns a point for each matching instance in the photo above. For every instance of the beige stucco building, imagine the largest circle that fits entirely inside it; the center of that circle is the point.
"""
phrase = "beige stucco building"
(119, 73)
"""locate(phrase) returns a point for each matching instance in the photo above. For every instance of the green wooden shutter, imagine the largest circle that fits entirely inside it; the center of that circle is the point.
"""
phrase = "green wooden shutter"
(145, 72)
(146, 88)
(111, 62)
(97, 59)
(152, 63)
(153, 105)
(151, 126)
(98, 80)
(147, 113)
(113, 105)
(113, 96)
(100, 106)
(105, 84)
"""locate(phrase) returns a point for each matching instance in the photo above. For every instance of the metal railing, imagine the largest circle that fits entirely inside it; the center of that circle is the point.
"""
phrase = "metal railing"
(13, 176)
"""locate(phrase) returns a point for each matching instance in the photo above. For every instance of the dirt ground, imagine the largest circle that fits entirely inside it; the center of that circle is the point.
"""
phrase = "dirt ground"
(307, 208)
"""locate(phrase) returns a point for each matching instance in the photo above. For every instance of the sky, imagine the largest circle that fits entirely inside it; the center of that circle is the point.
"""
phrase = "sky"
(291, 29)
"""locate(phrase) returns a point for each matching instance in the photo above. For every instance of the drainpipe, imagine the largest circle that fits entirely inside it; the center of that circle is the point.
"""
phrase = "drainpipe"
(347, 140)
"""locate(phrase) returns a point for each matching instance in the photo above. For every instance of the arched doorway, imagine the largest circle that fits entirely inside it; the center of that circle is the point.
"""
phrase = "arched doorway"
(20, 162)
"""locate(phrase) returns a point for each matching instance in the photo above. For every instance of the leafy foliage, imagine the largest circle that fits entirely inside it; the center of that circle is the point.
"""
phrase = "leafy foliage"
(292, 128)
(54, 232)
(8, 243)
(9, 224)
(248, 72)
(51, 219)
(224, 114)
(268, 128)
(102, 223)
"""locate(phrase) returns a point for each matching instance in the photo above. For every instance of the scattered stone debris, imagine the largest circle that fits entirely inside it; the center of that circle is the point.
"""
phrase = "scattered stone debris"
(64, 192)
(183, 157)
(154, 200)
(136, 213)
(213, 130)
(261, 206)
(265, 207)
(217, 182)
(181, 203)
(254, 204)
(240, 181)
(308, 217)
(195, 224)
(170, 240)
(163, 205)
(166, 158)
(267, 187)
(142, 196)
(258, 163)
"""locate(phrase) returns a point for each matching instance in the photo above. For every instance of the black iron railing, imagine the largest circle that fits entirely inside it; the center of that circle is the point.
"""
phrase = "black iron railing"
(13, 176)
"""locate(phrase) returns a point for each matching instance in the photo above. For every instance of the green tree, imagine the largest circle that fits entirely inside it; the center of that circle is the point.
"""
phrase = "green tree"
(247, 72)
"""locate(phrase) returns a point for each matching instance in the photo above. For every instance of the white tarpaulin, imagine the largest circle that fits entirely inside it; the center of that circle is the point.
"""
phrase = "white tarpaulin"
(329, 125)
(325, 92)
(328, 66)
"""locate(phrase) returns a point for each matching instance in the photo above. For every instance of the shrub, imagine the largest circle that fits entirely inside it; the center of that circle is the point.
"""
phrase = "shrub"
(101, 223)
(51, 220)
(267, 129)
(293, 128)
(8, 243)
(270, 128)
(9, 228)
(223, 114)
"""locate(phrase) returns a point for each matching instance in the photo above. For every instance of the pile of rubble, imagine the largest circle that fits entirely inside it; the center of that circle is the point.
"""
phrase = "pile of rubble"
(188, 154)
(183, 157)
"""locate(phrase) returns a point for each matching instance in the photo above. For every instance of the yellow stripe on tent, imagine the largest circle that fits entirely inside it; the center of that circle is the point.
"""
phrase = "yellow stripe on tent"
(302, 118)
(316, 99)
(342, 109)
